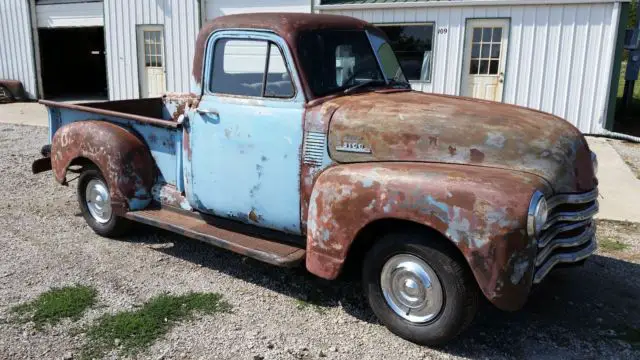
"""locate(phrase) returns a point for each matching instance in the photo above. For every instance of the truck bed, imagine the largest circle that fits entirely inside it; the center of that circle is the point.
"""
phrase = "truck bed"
(156, 111)
(154, 119)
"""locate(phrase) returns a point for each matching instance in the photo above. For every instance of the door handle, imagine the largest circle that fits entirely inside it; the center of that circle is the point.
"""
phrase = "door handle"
(211, 112)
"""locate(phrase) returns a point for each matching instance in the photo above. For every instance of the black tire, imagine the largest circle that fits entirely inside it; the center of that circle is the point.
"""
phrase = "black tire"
(459, 289)
(5, 95)
(116, 226)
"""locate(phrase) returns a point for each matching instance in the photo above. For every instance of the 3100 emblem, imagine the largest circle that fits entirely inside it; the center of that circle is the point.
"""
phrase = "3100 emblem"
(353, 144)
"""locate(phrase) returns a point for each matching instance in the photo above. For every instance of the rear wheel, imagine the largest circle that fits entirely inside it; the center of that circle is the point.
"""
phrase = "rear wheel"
(5, 95)
(419, 288)
(95, 203)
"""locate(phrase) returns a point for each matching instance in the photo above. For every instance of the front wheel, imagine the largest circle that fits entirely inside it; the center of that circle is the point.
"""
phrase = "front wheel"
(419, 288)
(95, 204)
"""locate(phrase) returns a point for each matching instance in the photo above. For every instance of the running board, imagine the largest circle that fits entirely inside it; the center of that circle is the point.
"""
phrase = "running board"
(201, 228)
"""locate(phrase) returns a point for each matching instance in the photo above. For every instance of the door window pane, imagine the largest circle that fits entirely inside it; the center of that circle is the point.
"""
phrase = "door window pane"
(473, 69)
(278, 79)
(486, 34)
(497, 34)
(477, 33)
(495, 51)
(485, 50)
(238, 67)
(413, 45)
(493, 67)
(484, 67)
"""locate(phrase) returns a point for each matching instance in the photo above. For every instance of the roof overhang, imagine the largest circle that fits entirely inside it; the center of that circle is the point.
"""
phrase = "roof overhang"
(385, 4)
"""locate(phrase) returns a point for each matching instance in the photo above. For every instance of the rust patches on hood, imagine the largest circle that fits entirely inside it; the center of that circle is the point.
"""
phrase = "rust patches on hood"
(415, 126)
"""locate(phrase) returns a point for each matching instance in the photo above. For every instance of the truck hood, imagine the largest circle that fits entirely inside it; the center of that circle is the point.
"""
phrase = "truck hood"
(420, 127)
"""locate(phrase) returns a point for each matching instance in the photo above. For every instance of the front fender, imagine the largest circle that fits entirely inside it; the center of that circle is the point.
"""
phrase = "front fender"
(123, 159)
(482, 211)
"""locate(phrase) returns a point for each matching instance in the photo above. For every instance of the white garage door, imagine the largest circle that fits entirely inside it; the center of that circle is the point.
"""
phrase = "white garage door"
(70, 15)
(215, 8)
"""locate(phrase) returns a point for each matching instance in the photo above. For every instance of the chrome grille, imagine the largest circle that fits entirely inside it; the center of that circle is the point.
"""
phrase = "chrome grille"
(569, 233)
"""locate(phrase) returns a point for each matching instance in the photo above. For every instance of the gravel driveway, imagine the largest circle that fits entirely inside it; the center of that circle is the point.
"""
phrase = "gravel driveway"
(585, 313)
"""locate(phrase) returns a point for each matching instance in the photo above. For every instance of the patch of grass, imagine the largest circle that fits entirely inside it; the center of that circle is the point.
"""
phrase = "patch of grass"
(137, 329)
(56, 304)
(609, 244)
(304, 305)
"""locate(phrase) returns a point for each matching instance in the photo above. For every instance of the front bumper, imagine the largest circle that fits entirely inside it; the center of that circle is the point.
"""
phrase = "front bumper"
(570, 232)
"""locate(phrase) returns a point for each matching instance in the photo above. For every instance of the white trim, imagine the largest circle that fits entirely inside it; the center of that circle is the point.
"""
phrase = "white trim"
(452, 3)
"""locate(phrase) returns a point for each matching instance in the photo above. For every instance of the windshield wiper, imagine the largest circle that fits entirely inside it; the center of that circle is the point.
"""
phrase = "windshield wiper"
(363, 84)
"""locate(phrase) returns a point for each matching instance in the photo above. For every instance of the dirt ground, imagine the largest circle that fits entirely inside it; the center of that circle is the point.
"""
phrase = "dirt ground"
(589, 312)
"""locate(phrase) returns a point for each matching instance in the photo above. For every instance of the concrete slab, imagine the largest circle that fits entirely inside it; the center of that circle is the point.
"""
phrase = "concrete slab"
(619, 188)
(29, 113)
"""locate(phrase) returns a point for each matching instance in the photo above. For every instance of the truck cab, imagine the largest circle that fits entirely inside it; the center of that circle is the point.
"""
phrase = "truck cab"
(302, 143)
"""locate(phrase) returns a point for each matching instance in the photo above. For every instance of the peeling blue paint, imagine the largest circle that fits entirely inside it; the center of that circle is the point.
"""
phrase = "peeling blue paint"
(161, 141)
(245, 161)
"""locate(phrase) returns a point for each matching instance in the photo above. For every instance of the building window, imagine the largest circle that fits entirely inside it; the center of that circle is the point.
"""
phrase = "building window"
(413, 45)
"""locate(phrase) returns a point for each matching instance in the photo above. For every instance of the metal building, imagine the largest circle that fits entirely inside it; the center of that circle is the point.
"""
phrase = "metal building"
(17, 60)
(113, 49)
(558, 56)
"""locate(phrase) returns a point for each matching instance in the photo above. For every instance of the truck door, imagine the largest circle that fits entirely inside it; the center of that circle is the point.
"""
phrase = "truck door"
(246, 135)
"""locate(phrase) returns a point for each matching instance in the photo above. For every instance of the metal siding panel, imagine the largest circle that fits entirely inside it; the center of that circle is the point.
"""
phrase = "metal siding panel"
(552, 60)
(456, 48)
(16, 50)
(591, 67)
(441, 49)
(525, 44)
(605, 68)
(539, 54)
(567, 41)
(577, 65)
(512, 80)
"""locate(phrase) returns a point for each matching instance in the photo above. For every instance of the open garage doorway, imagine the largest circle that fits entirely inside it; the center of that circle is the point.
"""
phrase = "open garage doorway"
(73, 63)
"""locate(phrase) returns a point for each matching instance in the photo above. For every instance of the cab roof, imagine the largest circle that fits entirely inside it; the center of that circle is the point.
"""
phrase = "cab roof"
(286, 25)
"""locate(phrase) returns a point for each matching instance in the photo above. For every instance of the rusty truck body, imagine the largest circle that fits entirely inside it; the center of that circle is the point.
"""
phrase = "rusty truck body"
(302, 141)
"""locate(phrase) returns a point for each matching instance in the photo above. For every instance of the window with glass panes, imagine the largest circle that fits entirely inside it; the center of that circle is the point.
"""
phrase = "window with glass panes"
(485, 51)
(153, 48)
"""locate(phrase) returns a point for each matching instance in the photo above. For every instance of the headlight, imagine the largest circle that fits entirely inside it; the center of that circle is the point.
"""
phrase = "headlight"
(537, 216)
(594, 161)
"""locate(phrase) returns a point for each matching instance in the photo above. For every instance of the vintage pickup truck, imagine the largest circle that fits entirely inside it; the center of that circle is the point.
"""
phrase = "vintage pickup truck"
(303, 141)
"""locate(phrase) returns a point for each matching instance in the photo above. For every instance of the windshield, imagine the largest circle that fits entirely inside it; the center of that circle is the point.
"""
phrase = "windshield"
(339, 60)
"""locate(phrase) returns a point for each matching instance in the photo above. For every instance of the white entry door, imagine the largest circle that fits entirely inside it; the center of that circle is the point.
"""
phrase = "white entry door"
(151, 62)
(485, 57)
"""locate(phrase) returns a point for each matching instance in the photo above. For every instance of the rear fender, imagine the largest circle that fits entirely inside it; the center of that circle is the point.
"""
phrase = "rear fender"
(122, 157)
(482, 211)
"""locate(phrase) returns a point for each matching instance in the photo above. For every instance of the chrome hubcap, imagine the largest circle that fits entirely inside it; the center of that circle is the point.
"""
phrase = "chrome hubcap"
(411, 288)
(98, 201)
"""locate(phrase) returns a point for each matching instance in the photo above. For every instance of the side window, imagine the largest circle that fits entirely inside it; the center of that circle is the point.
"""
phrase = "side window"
(250, 68)
(278, 82)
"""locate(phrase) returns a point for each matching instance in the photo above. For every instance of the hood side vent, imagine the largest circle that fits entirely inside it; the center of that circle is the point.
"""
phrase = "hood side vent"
(315, 145)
